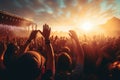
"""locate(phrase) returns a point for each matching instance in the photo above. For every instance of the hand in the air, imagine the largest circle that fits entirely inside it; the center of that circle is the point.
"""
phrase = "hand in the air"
(46, 31)
(73, 34)
(33, 35)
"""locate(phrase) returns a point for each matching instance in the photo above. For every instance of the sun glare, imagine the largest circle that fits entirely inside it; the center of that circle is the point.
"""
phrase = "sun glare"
(87, 26)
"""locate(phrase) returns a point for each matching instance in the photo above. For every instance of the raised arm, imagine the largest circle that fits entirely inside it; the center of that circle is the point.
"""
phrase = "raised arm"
(50, 64)
(78, 51)
(27, 43)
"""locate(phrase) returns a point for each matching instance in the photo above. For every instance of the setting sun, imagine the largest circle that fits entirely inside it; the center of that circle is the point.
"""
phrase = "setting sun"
(87, 26)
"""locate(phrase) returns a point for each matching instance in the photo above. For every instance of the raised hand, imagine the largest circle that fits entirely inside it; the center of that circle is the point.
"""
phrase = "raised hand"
(50, 63)
(33, 35)
(78, 51)
(46, 31)
(73, 34)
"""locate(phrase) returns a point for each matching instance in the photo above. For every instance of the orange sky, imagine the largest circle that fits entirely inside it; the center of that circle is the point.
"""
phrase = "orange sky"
(63, 15)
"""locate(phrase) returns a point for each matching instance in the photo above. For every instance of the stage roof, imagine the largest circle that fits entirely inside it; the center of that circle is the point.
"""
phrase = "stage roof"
(14, 20)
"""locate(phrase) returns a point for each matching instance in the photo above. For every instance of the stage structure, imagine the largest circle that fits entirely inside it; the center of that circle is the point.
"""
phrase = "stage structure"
(17, 21)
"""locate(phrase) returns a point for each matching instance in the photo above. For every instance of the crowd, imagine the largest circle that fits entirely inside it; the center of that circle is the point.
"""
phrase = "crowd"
(59, 58)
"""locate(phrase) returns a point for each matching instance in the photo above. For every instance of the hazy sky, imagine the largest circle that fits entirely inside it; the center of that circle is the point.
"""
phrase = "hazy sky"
(63, 12)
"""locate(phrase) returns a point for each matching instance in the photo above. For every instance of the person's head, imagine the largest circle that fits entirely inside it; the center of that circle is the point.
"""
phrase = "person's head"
(114, 69)
(28, 66)
(65, 49)
(63, 62)
(10, 52)
(12, 48)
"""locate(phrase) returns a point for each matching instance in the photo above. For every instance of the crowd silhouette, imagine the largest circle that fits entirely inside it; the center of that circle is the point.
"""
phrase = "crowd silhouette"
(59, 58)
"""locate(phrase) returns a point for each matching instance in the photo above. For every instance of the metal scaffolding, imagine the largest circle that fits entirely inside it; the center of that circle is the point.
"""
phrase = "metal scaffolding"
(15, 20)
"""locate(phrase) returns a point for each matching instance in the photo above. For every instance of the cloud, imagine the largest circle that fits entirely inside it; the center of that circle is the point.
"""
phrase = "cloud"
(60, 11)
